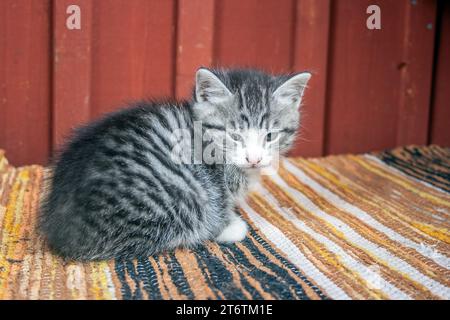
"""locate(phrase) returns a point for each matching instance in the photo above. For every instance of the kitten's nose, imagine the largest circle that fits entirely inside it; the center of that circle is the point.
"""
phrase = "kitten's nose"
(253, 159)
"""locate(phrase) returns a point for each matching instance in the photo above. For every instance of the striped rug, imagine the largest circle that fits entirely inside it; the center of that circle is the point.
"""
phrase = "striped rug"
(372, 226)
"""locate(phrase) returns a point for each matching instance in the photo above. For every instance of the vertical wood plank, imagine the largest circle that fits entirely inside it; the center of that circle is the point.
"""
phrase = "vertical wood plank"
(132, 52)
(311, 53)
(195, 42)
(440, 118)
(25, 80)
(416, 75)
(71, 69)
(367, 79)
(255, 33)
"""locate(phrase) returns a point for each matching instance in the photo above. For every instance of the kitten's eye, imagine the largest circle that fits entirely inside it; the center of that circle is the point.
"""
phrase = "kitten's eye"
(235, 137)
(271, 136)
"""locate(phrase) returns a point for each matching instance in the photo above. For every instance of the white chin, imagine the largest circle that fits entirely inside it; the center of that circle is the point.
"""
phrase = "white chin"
(259, 166)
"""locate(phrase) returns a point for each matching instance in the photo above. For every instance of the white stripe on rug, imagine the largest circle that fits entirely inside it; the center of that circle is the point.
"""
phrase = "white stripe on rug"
(353, 236)
(337, 201)
(109, 281)
(364, 271)
(404, 175)
(294, 254)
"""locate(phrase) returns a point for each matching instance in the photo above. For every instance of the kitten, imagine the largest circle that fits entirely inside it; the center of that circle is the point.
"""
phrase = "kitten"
(117, 191)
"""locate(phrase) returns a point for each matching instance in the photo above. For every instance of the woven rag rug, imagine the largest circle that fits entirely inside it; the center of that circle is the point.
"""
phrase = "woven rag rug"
(371, 226)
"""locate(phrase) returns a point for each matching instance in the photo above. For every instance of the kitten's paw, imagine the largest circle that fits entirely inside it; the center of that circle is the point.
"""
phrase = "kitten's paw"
(234, 232)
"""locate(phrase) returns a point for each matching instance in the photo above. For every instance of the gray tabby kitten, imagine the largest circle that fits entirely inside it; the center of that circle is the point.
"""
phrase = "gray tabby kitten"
(117, 191)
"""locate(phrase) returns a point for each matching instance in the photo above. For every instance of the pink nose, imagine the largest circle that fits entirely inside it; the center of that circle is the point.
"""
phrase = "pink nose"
(253, 159)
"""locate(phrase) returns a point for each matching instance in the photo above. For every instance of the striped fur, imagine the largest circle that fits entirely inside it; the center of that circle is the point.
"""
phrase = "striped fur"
(117, 192)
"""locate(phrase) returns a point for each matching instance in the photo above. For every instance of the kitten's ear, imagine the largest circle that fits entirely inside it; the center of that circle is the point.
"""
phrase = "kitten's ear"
(209, 88)
(291, 91)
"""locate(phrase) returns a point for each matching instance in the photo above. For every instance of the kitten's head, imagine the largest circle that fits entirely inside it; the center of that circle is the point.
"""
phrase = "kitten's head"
(255, 114)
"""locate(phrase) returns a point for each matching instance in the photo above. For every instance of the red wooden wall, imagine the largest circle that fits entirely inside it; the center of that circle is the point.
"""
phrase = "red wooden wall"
(371, 89)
